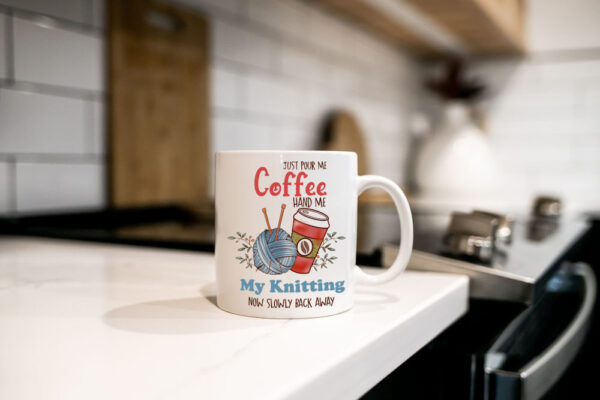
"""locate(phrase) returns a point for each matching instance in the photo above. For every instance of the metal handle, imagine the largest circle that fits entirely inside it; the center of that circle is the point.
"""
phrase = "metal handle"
(543, 371)
(533, 380)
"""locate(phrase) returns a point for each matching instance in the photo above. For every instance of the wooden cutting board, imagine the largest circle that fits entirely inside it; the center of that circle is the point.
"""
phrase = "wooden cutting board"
(343, 132)
(158, 113)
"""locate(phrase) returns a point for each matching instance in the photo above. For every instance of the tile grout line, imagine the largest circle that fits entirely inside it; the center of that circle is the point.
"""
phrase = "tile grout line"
(88, 140)
(285, 39)
(49, 158)
(88, 16)
(10, 47)
(54, 21)
(52, 90)
(242, 71)
(12, 184)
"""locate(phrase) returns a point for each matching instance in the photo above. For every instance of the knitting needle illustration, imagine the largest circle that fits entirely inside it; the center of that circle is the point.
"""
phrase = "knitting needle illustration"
(264, 210)
(274, 254)
(280, 218)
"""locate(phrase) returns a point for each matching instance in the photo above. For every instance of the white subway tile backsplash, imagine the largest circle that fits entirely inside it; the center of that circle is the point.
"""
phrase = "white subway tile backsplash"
(5, 188)
(305, 66)
(552, 157)
(236, 134)
(365, 111)
(589, 102)
(49, 186)
(3, 47)
(533, 139)
(72, 10)
(346, 78)
(535, 100)
(563, 25)
(272, 95)
(236, 43)
(325, 31)
(39, 123)
(98, 13)
(570, 72)
(277, 68)
(391, 121)
(98, 121)
(286, 17)
(296, 137)
(588, 140)
(379, 147)
(506, 75)
(54, 56)
(544, 124)
(368, 50)
(226, 88)
(232, 6)
(586, 188)
(585, 159)
(317, 101)
(533, 115)
(390, 166)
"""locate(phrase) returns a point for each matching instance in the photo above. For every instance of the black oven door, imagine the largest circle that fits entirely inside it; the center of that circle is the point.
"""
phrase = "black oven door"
(535, 350)
(502, 350)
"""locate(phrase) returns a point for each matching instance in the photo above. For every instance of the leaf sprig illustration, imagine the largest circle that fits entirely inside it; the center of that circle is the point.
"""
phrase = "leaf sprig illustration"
(246, 243)
(324, 258)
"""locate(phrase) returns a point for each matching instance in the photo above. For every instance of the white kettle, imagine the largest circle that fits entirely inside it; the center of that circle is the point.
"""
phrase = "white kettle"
(457, 161)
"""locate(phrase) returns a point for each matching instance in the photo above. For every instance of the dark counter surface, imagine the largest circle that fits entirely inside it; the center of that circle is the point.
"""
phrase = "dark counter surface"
(163, 226)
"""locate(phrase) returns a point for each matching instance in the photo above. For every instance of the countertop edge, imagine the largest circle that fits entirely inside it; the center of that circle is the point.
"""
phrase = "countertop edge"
(441, 312)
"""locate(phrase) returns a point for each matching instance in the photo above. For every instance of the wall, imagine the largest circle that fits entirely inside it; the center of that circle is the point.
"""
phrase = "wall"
(544, 111)
(277, 68)
(51, 105)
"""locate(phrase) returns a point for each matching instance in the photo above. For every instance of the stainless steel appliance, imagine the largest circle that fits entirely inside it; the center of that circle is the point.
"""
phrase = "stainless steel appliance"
(536, 302)
(513, 266)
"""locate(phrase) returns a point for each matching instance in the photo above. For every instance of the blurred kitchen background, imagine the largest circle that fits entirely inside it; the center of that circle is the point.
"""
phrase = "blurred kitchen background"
(198, 76)
(111, 112)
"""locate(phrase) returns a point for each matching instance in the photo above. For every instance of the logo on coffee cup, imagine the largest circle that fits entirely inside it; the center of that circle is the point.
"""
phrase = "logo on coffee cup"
(308, 231)
(304, 247)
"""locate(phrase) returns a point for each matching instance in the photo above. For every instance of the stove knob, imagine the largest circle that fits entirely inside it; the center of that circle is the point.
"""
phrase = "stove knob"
(547, 207)
(504, 232)
(472, 235)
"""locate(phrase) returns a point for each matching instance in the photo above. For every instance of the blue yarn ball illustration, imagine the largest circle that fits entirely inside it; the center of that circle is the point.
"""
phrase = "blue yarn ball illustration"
(272, 256)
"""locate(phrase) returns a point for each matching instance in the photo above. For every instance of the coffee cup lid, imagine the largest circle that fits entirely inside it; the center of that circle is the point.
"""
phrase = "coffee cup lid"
(312, 217)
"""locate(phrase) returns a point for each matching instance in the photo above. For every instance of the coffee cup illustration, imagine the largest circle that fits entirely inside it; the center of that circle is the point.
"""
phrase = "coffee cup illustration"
(308, 230)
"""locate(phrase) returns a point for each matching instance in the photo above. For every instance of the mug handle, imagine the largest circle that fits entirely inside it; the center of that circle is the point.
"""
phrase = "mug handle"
(406, 228)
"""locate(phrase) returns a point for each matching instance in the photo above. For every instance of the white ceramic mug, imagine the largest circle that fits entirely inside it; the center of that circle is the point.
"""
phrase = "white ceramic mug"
(286, 232)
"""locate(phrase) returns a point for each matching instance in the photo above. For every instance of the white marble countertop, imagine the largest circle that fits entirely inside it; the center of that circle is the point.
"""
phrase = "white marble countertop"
(94, 321)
